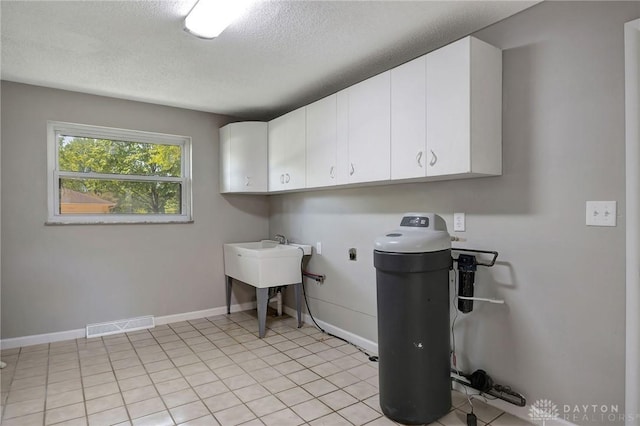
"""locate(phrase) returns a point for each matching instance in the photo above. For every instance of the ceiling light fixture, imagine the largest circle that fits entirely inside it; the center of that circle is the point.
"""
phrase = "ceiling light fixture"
(209, 18)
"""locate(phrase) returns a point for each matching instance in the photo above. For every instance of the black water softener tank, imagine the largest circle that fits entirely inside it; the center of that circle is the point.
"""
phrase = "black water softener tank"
(412, 273)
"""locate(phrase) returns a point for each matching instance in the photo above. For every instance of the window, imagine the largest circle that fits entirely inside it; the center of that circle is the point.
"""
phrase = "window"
(106, 175)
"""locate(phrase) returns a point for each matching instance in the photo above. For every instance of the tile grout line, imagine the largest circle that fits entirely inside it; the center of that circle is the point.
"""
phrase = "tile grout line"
(199, 359)
(178, 368)
(273, 367)
(124, 403)
(153, 383)
(84, 398)
(46, 385)
(230, 390)
(243, 403)
(308, 369)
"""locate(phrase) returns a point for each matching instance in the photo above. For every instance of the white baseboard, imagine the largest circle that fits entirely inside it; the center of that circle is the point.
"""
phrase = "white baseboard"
(367, 345)
(514, 410)
(221, 310)
(36, 339)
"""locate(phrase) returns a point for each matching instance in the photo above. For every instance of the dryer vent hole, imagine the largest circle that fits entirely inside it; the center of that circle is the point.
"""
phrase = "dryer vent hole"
(353, 255)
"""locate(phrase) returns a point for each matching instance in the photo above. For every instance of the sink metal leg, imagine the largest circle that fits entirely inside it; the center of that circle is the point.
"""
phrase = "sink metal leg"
(298, 294)
(262, 294)
(228, 287)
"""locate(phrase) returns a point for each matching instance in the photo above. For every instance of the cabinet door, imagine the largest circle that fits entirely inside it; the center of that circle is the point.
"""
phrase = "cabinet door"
(448, 109)
(321, 142)
(287, 136)
(248, 156)
(225, 160)
(408, 120)
(370, 129)
(243, 157)
(342, 127)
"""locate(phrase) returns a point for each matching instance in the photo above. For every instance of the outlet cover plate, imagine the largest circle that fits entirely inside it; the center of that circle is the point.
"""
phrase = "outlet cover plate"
(601, 213)
(459, 220)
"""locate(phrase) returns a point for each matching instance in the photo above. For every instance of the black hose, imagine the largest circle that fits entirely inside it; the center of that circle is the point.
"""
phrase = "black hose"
(372, 358)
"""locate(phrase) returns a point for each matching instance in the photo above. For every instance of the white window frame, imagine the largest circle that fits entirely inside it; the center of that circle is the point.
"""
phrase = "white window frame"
(54, 128)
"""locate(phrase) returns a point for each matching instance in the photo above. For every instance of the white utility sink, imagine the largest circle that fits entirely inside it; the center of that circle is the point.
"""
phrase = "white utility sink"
(265, 263)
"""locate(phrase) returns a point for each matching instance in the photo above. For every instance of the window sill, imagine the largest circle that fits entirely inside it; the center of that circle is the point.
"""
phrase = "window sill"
(166, 222)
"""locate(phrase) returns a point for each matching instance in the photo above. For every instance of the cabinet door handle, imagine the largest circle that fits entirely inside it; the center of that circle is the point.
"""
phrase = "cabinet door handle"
(331, 173)
(352, 171)
(419, 158)
(434, 158)
(247, 181)
(282, 178)
(288, 178)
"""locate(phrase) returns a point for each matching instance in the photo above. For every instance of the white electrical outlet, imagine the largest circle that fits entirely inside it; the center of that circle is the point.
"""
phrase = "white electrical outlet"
(459, 220)
(601, 213)
(318, 247)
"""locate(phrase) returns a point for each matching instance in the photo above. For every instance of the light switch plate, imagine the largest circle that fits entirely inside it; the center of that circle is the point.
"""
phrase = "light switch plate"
(601, 213)
(459, 224)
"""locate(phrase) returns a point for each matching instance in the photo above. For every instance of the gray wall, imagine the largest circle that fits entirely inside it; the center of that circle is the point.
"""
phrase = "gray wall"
(58, 278)
(560, 335)
(0, 213)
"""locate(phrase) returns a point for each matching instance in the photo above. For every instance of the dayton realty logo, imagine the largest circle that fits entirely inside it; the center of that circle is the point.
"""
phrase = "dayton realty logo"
(596, 413)
(543, 410)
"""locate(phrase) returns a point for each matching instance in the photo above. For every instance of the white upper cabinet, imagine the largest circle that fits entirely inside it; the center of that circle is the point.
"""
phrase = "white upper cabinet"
(464, 109)
(436, 117)
(243, 157)
(287, 140)
(369, 130)
(322, 142)
(408, 120)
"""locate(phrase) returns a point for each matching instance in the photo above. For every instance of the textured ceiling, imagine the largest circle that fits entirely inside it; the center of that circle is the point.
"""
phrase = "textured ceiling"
(277, 56)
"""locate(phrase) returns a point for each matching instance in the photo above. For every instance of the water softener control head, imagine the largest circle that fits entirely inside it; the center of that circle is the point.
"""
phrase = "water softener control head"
(418, 233)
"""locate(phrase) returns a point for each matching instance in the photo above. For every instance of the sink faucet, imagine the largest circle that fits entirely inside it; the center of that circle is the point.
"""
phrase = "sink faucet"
(281, 239)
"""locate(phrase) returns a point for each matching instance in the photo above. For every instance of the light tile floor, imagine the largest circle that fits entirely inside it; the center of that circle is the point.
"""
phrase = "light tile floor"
(210, 371)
